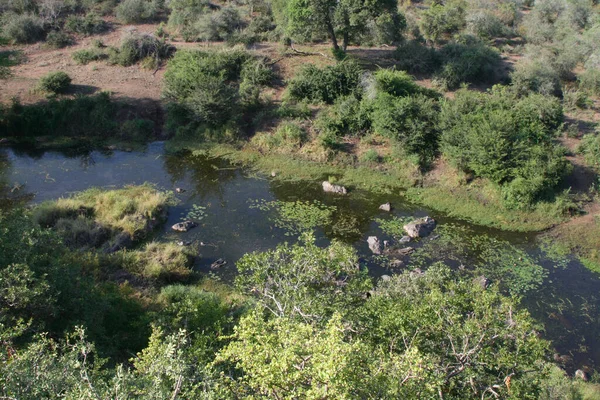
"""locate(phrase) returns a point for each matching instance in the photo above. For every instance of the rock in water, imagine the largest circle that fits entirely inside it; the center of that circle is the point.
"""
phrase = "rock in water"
(386, 207)
(581, 374)
(184, 226)
(218, 264)
(179, 190)
(331, 188)
(420, 227)
(374, 244)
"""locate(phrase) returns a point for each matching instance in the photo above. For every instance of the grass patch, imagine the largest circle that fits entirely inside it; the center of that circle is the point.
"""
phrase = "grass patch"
(162, 262)
(95, 217)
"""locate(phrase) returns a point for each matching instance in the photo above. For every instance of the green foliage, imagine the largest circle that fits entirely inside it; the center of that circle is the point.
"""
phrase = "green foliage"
(59, 39)
(347, 116)
(507, 139)
(317, 85)
(136, 11)
(287, 137)
(54, 82)
(467, 60)
(353, 22)
(161, 262)
(218, 25)
(136, 129)
(393, 227)
(402, 319)
(297, 217)
(590, 148)
(536, 77)
(22, 28)
(589, 80)
(412, 121)
(210, 89)
(413, 56)
(91, 24)
(399, 84)
(303, 280)
(442, 20)
(90, 116)
(486, 24)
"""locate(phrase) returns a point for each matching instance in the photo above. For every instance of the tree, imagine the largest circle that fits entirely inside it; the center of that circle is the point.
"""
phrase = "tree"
(345, 19)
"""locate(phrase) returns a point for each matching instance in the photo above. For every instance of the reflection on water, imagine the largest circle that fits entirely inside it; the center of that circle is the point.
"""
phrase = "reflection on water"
(567, 303)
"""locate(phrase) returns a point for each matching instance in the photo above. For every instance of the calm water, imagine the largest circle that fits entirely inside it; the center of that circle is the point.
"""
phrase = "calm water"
(567, 304)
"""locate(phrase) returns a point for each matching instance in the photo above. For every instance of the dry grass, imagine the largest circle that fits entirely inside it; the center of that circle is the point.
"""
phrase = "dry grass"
(165, 262)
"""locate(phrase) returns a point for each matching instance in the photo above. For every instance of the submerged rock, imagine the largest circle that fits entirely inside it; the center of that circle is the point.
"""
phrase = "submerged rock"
(184, 243)
(374, 244)
(331, 188)
(184, 226)
(386, 207)
(396, 251)
(420, 227)
(218, 264)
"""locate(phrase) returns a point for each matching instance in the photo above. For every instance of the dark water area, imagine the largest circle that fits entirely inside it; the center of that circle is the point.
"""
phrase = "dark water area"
(567, 303)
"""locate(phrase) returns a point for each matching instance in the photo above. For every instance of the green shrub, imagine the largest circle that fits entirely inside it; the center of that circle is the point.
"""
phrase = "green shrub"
(59, 39)
(486, 25)
(54, 82)
(399, 84)
(348, 116)
(441, 20)
(91, 24)
(370, 156)
(590, 148)
(22, 28)
(164, 262)
(506, 139)
(86, 56)
(89, 116)
(589, 80)
(137, 129)
(136, 11)
(218, 25)
(209, 88)
(467, 60)
(287, 137)
(411, 121)
(317, 85)
(184, 13)
(135, 47)
(415, 57)
(536, 77)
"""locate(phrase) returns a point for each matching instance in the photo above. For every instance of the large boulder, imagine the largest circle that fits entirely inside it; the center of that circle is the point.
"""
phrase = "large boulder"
(374, 244)
(420, 227)
(184, 226)
(331, 188)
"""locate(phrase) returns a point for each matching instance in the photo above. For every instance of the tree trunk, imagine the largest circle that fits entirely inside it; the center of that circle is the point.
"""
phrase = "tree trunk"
(331, 33)
(345, 42)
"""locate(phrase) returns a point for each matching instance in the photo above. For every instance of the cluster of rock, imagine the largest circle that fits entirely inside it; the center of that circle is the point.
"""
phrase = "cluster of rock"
(396, 250)
(331, 188)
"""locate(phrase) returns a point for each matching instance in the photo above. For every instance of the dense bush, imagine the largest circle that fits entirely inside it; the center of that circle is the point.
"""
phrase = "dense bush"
(136, 11)
(326, 84)
(485, 24)
(86, 56)
(91, 24)
(590, 148)
(218, 25)
(59, 39)
(399, 84)
(536, 77)
(22, 28)
(288, 137)
(589, 80)
(467, 60)
(92, 117)
(507, 139)
(441, 20)
(413, 56)
(55, 82)
(348, 116)
(211, 88)
(411, 121)
(136, 47)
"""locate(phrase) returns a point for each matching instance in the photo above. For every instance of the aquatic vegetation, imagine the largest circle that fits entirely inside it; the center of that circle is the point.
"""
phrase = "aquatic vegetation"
(297, 217)
(394, 226)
